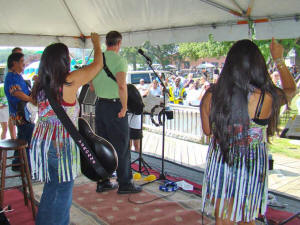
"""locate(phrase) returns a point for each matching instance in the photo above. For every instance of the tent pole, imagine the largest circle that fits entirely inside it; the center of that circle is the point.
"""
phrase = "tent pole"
(224, 8)
(250, 7)
(73, 18)
(237, 5)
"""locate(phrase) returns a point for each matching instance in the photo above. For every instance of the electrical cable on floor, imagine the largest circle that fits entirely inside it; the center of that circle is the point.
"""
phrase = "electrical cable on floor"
(175, 179)
(146, 202)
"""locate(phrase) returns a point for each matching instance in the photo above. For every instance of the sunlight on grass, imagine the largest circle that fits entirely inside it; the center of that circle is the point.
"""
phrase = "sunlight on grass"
(284, 146)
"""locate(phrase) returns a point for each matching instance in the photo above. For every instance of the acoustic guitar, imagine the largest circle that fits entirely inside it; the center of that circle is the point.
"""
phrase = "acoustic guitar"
(103, 150)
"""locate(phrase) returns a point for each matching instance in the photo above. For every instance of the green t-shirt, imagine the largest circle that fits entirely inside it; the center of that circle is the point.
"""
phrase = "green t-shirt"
(105, 87)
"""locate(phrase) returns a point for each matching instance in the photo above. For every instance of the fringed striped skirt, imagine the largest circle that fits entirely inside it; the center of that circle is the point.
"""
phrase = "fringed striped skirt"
(242, 185)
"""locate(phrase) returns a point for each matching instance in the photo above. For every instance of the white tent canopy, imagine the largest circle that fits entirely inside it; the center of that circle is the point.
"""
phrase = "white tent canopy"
(40, 22)
(205, 65)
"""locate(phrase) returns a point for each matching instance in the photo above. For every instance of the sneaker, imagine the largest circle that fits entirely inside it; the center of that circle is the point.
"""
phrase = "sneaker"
(105, 186)
(130, 189)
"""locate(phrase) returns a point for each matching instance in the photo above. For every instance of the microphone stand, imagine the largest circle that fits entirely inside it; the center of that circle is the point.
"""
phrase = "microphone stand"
(162, 175)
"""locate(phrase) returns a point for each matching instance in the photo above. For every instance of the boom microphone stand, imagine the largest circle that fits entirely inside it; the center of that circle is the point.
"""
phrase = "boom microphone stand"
(162, 175)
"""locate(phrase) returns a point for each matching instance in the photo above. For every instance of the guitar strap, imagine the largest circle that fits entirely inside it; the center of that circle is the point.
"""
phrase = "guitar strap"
(77, 137)
(107, 70)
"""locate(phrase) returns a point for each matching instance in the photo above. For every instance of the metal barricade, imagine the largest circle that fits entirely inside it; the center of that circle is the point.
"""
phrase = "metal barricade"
(186, 124)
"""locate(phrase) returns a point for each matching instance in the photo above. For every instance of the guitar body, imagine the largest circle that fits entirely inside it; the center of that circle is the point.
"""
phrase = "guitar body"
(104, 151)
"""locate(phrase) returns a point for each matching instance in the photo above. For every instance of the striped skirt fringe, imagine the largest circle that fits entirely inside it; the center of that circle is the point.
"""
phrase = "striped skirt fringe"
(67, 152)
(242, 185)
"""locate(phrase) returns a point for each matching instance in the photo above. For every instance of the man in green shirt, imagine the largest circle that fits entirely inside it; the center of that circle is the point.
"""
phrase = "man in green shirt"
(111, 118)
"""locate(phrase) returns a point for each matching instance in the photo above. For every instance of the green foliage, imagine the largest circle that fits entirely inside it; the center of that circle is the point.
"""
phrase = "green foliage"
(162, 54)
(132, 56)
(4, 53)
(282, 145)
(288, 44)
(211, 48)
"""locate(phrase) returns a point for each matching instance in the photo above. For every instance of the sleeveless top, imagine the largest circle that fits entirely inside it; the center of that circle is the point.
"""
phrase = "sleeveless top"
(245, 181)
(48, 133)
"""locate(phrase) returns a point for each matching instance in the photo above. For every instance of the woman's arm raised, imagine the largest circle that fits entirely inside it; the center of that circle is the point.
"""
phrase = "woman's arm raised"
(287, 81)
(86, 74)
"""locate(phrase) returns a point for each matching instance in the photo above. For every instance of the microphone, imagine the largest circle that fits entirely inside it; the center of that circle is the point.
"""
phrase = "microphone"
(140, 51)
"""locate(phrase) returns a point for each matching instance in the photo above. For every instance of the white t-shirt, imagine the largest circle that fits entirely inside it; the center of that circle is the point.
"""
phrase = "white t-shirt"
(155, 92)
(134, 121)
(142, 89)
(192, 97)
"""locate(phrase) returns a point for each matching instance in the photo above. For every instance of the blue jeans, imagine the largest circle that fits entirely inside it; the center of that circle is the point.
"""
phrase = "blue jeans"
(24, 133)
(56, 200)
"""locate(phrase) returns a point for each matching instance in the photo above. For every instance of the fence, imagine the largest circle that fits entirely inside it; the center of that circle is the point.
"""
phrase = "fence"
(186, 124)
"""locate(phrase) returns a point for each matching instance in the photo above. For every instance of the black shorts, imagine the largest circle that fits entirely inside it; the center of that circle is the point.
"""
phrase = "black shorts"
(135, 134)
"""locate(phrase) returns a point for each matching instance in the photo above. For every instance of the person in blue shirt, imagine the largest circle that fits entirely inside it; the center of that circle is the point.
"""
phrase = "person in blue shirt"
(16, 90)
(11, 126)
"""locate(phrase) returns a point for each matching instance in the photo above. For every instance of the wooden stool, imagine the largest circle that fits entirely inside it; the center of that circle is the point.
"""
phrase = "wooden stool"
(17, 145)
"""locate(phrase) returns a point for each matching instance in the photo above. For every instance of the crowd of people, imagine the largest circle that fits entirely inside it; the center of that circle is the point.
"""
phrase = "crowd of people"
(180, 91)
(189, 90)
(239, 110)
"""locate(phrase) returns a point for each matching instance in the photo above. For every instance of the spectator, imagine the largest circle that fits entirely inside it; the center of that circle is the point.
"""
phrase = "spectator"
(172, 80)
(188, 81)
(155, 89)
(216, 71)
(203, 90)
(142, 87)
(135, 131)
(202, 81)
(197, 84)
(215, 78)
(192, 97)
(276, 78)
(177, 93)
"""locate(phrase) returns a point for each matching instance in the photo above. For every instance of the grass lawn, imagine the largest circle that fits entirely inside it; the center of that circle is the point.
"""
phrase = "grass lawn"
(285, 146)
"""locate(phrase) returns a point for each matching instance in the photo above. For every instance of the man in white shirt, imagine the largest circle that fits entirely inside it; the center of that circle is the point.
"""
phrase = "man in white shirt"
(142, 87)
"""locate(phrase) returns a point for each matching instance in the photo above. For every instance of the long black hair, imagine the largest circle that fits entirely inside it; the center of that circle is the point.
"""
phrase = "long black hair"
(53, 70)
(244, 69)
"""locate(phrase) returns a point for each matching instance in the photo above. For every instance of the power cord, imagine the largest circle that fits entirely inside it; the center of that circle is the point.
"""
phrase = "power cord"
(152, 200)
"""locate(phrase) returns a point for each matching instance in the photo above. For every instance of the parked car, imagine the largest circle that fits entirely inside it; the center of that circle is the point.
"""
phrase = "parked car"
(134, 77)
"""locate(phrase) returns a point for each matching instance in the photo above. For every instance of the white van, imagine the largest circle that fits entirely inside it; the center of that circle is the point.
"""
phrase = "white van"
(134, 77)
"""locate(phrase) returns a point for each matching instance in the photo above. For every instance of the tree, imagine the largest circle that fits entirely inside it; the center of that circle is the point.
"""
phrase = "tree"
(288, 45)
(162, 54)
(132, 56)
(211, 48)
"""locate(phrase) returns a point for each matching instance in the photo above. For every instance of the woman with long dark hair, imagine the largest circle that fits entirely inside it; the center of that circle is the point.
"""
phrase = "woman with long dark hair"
(240, 112)
(55, 157)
